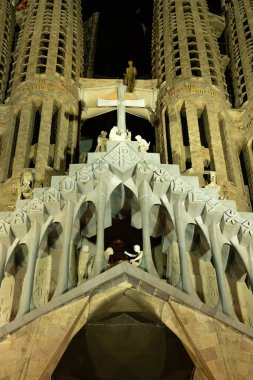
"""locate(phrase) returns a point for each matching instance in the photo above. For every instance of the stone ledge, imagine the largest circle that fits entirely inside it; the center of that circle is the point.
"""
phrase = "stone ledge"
(139, 280)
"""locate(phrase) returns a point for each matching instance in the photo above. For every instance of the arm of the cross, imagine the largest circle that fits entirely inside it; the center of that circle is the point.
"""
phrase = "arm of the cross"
(121, 103)
(127, 103)
(135, 103)
(107, 102)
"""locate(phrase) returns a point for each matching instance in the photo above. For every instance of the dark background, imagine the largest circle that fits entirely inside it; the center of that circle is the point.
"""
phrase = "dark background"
(124, 34)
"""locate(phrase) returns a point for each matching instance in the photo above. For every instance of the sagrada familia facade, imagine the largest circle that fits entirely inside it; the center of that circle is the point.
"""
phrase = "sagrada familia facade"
(130, 258)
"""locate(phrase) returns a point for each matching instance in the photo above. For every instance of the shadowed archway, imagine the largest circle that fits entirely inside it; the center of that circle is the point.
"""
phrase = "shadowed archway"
(124, 346)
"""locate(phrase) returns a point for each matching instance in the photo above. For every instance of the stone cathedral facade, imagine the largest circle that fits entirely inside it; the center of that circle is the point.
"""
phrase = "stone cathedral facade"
(133, 260)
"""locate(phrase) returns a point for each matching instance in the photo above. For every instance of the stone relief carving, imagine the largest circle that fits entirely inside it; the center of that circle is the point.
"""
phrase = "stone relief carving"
(118, 134)
(122, 156)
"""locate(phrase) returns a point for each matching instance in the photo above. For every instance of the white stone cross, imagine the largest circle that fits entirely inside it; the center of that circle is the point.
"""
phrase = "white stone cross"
(121, 103)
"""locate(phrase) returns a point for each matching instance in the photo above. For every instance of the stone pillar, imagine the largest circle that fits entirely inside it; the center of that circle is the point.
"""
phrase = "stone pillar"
(24, 139)
(194, 139)
(216, 148)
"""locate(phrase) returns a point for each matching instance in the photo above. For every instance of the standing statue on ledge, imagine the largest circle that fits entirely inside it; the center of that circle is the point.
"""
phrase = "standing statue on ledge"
(129, 76)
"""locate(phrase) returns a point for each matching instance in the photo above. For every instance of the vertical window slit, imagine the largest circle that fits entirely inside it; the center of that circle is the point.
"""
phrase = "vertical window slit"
(14, 144)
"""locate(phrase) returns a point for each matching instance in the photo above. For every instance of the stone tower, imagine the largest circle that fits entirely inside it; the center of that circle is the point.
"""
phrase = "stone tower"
(7, 15)
(132, 260)
(194, 110)
(239, 34)
(42, 91)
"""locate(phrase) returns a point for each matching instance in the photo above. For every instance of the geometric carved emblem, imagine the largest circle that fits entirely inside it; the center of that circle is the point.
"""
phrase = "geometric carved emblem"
(122, 157)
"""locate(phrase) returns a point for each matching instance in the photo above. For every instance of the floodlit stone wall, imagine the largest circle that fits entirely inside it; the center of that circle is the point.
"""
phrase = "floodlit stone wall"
(184, 44)
(239, 35)
(196, 128)
(41, 132)
(7, 14)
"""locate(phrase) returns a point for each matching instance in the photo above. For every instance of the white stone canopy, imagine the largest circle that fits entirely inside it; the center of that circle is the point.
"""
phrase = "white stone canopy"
(205, 246)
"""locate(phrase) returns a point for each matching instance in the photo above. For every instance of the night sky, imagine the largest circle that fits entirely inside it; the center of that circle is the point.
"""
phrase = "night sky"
(124, 34)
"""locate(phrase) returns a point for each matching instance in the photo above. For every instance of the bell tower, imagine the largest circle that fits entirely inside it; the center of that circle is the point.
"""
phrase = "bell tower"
(7, 16)
(239, 36)
(193, 105)
(43, 91)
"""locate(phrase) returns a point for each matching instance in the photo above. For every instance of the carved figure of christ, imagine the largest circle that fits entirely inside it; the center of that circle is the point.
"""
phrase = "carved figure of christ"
(121, 103)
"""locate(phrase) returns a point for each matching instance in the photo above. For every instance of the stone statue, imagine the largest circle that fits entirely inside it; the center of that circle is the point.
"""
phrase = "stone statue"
(137, 257)
(143, 144)
(108, 252)
(129, 76)
(27, 183)
(224, 192)
(101, 142)
(117, 134)
(212, 182)
(86, 262)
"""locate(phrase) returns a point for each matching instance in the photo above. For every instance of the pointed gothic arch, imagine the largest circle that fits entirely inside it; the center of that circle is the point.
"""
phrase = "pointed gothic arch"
(88, 219)
(238, 282)
(161, 228)
(146, 348)
(201, 266)
(48, 264)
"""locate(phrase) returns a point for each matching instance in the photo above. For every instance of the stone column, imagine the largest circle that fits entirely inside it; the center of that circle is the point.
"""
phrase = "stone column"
(99, 263)
(69, 192)
(148, 263)
(193, 131)
(35, 213)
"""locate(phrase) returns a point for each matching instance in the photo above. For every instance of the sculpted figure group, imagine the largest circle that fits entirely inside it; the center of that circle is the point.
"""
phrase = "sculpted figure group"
(86, 260)
(117, 134)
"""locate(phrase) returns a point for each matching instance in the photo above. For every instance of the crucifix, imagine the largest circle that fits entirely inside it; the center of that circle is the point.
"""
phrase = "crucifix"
(121, 103)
